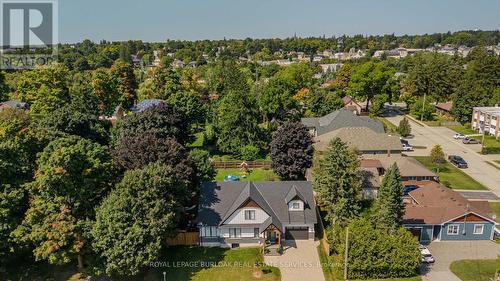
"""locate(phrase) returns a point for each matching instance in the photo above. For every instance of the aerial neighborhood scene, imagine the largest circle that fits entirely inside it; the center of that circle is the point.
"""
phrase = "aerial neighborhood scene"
(268, 140)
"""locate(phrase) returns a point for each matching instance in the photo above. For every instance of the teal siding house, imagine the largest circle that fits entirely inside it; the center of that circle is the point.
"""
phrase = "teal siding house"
(435, 212)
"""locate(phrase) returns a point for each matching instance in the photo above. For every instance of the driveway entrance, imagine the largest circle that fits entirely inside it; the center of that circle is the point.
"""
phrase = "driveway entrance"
(299, 262)
(446, 252)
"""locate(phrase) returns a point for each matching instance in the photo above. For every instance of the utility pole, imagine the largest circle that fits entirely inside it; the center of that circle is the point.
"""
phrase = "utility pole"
(346, 255)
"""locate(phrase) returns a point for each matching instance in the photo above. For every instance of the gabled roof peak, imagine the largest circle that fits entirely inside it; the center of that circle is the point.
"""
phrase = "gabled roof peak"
(294, 192)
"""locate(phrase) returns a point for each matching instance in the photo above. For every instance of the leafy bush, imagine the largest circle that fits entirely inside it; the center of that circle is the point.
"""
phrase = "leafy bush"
(425, 113)
(375, 253)
(249, 152)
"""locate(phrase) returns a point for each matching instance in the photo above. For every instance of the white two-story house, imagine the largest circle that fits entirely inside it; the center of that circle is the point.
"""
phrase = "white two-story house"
(239, 214)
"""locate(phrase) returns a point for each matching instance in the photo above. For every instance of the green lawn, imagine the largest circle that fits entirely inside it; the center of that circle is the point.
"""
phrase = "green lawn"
(254, 175)
(451, 175)
(231, 264)
(388, 126)
(180, 263)
(474, 270)
(497, 161)
(495, 208)
(492, 145)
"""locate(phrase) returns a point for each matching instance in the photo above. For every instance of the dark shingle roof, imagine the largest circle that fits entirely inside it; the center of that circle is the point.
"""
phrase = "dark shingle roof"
(342, 118)
(218, 201)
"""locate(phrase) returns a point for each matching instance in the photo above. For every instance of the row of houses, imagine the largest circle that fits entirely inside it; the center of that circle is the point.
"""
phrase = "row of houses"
(238, 214)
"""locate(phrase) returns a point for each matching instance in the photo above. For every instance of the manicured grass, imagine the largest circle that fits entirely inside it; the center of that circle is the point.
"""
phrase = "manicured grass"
(388, 126)
(419, 147)
(326, 264)
(226, 264)
(416, 278)
(495, 209)
(451, 175)
(497, 161)
(254, 175)
(474, 270)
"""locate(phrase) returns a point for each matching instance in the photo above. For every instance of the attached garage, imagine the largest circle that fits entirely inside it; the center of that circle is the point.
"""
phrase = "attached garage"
(416, 231)
(297, 233)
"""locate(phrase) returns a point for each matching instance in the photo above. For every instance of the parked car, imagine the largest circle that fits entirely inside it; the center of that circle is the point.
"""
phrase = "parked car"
(426, 255)
(459, 136)
(468, 140)
(458, 161)
(406, 145)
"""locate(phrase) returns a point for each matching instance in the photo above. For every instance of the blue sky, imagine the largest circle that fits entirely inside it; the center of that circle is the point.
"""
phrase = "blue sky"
(157, 20)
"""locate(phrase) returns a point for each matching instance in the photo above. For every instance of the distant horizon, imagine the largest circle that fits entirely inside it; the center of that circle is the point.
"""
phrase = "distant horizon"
(196, 20)
(284, 38)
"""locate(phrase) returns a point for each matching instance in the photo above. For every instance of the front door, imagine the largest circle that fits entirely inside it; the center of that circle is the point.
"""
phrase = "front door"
(271, 236)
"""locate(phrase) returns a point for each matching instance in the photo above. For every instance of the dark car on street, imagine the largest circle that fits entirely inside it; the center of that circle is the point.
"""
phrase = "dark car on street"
(468, 140)
(458, 161)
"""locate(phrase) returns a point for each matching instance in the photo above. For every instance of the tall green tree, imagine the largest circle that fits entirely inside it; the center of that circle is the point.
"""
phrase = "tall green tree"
(371, 79)
(133, 222)
(126, 83)
(73, 176)
(478, 84)
(44, 88)
(236, 124)
(433, 75)
(337, 183)
(162, 120)
(292, 151)
(404, 128)
(390, 206)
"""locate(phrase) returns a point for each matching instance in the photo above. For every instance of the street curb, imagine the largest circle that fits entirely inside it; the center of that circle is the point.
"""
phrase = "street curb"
(415, 120)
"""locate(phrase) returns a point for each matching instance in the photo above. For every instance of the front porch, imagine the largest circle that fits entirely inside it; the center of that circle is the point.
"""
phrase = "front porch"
(271, 242)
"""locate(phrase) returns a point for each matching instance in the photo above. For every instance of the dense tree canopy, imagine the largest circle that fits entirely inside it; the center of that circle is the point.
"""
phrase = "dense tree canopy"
(73, 176)
(134, 220)
(162, 120)
(390, 206)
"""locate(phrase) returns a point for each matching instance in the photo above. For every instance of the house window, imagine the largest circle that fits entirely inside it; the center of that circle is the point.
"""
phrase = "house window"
(296, 205)
(453, 229)
(210, 231)
(255, 232)
(478, 228)
(234, 232)
(250, 215)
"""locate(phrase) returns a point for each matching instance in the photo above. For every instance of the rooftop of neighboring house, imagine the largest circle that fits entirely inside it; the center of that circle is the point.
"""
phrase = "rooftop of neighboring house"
(16, 104)
(408, 167)
(446, 106)
(145, 104)
(342, 118)
(362, 138)
(219, 200)
(437, 204)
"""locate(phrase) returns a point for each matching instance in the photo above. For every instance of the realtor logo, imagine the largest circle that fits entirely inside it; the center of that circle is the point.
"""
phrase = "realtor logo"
(29, 33)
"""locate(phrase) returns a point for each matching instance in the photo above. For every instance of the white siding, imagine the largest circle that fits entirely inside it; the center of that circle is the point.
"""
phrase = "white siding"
(290, 204)
(247, 232)
(239, 217)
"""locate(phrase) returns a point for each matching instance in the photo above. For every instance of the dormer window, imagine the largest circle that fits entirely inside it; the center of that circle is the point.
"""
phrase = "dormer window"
(296, 206)
(249, 214)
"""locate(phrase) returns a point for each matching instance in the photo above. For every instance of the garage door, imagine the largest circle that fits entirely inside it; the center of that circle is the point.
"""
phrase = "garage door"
(417, 232)
(297, 233)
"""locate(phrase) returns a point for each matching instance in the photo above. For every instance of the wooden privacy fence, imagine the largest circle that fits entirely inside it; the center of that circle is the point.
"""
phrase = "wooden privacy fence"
(184, 238)
(322, 235)
(237, 164)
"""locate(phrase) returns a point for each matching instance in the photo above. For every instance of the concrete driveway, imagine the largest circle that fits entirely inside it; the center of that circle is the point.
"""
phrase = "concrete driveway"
(446, 252)
(300, 261)
(429, 136)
